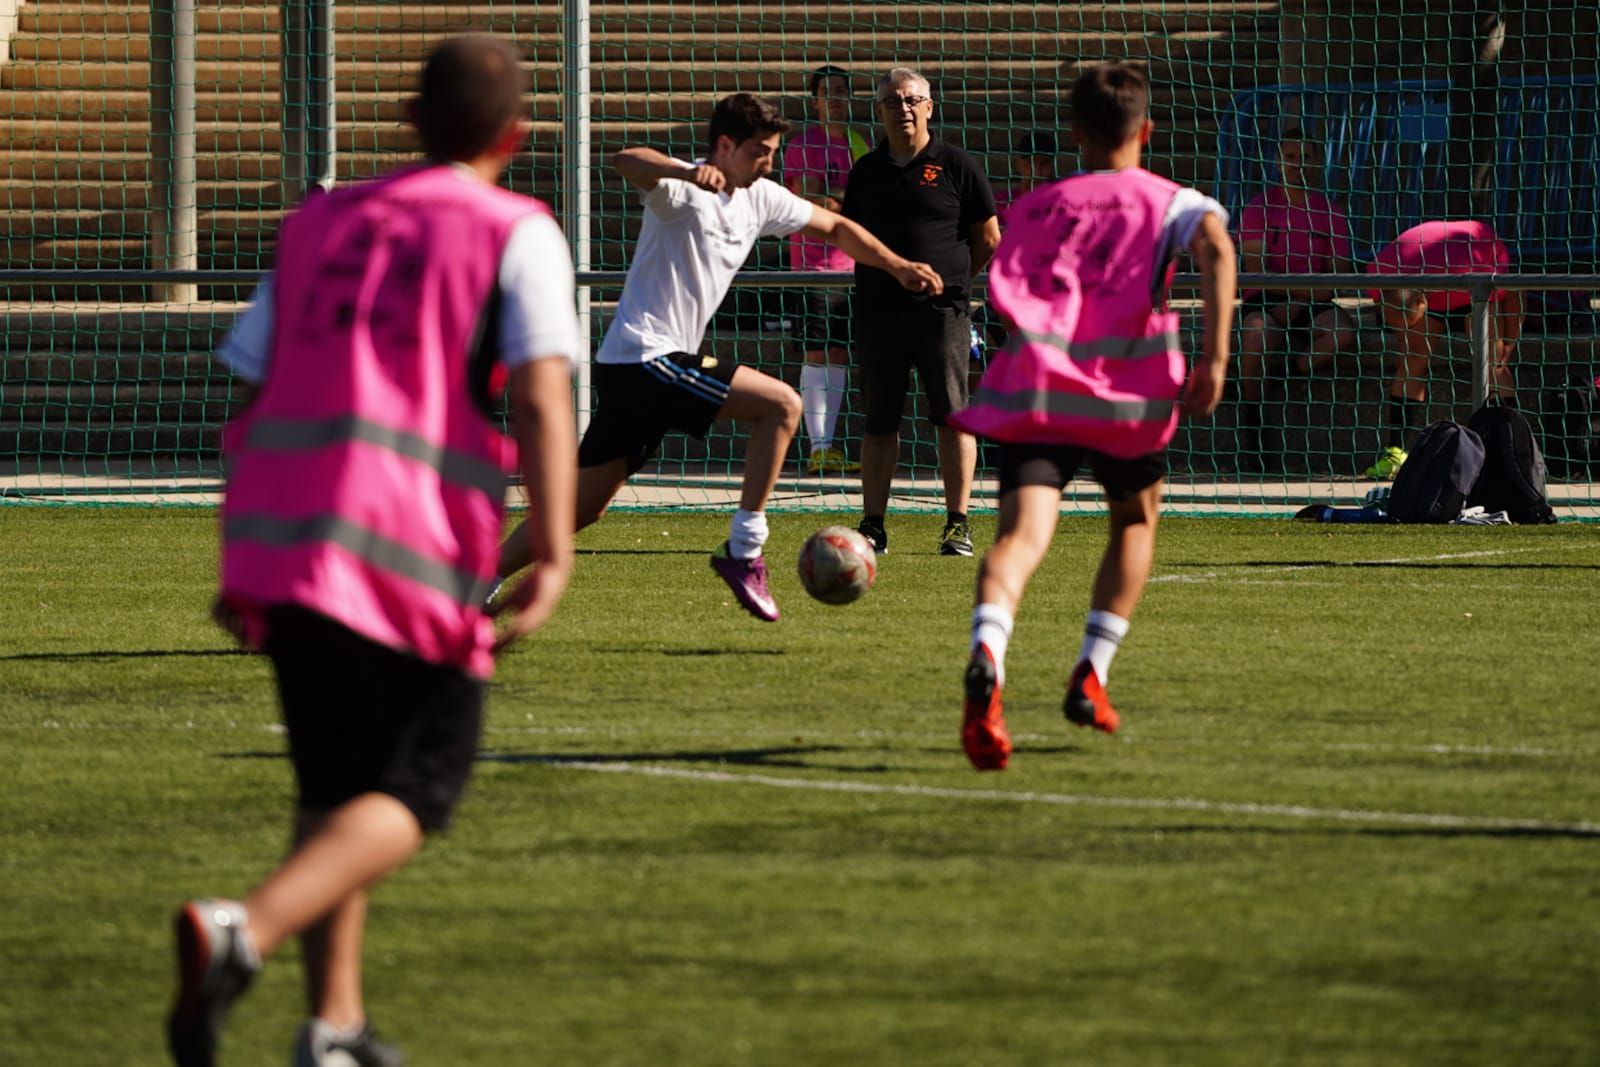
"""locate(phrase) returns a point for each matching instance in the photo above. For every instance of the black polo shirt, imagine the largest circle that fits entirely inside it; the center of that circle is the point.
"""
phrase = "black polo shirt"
(924, 210)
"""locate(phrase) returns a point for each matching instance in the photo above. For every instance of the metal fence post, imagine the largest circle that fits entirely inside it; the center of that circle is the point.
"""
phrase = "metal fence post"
(1481, 343)
(174, 206)
(575, 200)
(309, 148)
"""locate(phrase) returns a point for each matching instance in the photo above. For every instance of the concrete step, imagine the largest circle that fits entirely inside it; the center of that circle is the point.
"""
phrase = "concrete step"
(973, 75)
(798, 18)
(33, 197)
(262, 16)
(51, 344)
(150, 402)
(99, 439)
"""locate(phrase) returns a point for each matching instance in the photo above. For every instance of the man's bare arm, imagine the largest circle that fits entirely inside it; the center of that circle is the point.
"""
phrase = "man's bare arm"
(645, 168)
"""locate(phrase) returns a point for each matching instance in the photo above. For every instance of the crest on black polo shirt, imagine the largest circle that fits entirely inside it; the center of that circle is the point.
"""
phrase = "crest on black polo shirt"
(930, 174)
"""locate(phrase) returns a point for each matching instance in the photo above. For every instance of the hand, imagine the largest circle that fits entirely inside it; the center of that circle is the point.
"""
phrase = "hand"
(918, 278)
(1203, 391)
(706, 177)
(531, 603)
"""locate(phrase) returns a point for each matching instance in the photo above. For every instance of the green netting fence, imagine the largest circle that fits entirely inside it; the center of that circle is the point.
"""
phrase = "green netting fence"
(1448, 109)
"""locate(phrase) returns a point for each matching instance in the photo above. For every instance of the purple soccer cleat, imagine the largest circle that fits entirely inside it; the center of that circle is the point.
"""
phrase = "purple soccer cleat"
(748, 580)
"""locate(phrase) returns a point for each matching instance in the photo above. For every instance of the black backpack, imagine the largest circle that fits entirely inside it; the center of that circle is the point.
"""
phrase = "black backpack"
(1513, 475)
(1439, 472)
(1571, 436)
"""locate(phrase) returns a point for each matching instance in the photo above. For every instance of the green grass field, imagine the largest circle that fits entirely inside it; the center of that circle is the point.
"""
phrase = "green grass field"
(1353, 816)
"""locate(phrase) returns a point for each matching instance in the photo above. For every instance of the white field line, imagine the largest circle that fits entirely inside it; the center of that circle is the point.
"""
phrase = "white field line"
(618, 732)
(1291, 567)
(1433, 749)
(1285, 811)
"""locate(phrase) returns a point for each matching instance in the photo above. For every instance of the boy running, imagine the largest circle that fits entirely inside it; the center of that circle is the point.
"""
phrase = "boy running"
(364, 504)
(1091, 373)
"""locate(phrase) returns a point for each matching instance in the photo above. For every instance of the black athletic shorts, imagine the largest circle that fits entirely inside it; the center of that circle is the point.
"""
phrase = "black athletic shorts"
(364, 718)
(935, 340)
(638, 403)
(825, 321)
(1457, 322)
(1300, 323)
(1054, 465)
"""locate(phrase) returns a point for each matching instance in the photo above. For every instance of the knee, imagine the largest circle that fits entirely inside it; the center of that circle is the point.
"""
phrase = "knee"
(1020, 549)
(787, 408)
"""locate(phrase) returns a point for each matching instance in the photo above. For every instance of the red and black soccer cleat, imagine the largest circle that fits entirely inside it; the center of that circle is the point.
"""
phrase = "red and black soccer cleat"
(1086, 703)
(983, 725)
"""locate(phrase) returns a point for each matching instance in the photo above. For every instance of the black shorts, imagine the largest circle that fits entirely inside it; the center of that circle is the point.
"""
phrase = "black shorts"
(935, 340)
(1054, 465)
(638, 403)
(364, 718)
(1457, 322)
(1300, 322)
(825, 321)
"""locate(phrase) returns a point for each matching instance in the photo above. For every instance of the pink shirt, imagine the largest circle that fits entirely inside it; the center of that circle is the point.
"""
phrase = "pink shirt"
(1309, 239)
(1459, 247)
(814, 154)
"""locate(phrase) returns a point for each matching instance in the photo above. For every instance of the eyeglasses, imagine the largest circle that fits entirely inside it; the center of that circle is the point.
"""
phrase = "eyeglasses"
(897, 102)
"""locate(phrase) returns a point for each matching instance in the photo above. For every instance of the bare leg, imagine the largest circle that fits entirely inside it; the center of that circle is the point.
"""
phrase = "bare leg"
(773, 411)
(1125, 567)
(332, 950)
(1405, 314)
(352, 847)
(958, 461)
(1332, 332)
(1253, 344)
(1028, 518)
(880, 452)
(597, 486)
(1505, 322)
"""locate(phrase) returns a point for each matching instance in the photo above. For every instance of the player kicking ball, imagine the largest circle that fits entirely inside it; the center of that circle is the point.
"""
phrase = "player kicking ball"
(1091, 373)
(701, 219)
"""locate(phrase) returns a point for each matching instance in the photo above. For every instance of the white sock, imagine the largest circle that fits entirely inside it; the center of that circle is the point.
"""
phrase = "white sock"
(1102, 634)
(814, 397)
(837, 378)
(747, 533)
(991, 626)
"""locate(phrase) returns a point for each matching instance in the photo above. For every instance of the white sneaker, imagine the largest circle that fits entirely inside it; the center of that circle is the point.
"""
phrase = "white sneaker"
(321, 1044)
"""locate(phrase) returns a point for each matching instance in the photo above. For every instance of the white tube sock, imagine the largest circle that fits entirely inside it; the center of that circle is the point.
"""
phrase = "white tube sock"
(991, 626)
(1102, 635)
(747, 533)
(814, 402)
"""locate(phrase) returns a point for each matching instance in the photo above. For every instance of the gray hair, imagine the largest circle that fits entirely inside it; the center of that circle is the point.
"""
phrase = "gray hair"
(900, 76)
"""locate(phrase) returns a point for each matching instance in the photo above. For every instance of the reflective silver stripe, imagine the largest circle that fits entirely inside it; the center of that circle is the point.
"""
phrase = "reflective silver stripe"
(458, 468)
(463, 587)
(1100, 348)
(1076, 406)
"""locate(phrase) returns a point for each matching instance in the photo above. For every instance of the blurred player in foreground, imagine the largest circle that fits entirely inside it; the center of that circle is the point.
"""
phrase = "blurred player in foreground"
(701, 220)
(361, 523)
(1091, 373)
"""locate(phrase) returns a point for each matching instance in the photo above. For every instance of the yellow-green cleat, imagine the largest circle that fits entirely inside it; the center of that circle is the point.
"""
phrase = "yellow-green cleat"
(830, 461)
(1388, 462)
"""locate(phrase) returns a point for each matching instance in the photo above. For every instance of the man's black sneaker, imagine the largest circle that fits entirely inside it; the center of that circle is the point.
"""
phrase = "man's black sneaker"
(216, 963)
(876, 535)
(956, 540)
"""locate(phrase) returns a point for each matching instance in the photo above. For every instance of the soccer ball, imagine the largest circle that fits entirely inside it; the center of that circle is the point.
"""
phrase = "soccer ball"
(837, 565)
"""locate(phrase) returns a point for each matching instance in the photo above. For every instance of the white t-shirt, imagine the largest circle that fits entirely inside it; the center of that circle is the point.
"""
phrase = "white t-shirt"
(538, 317)
(1184, 215)
(690, 246)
